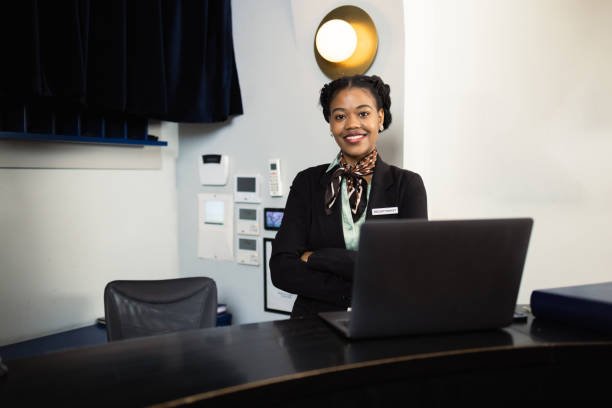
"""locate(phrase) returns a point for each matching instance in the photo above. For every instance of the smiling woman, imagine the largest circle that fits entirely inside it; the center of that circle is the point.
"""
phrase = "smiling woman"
(355, 122)
(314, 251)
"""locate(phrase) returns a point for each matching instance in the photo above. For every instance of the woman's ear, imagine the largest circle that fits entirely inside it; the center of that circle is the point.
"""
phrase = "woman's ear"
(381, 118)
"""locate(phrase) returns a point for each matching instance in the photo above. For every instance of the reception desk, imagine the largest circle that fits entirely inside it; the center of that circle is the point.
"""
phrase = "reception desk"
(306, 363)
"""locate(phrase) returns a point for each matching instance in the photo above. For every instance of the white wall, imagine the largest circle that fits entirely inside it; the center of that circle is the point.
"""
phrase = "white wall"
(509, 113)
(66, 232)
(280, 83)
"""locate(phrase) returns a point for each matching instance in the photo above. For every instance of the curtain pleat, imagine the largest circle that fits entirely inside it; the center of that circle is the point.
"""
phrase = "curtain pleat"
(165, 59)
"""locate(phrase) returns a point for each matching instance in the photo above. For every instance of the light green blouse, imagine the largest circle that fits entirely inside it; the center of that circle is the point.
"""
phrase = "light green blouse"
(350, 228)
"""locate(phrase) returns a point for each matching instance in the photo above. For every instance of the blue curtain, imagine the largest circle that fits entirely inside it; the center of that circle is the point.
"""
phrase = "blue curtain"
(164, 59)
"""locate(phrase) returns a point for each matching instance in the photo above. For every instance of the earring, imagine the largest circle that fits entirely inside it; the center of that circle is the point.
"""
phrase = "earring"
(381, 128)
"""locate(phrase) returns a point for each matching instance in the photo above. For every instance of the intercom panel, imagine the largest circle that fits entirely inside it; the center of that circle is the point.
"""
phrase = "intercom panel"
(247, 189)
(247, 222)
(273, 217)
(247, 253)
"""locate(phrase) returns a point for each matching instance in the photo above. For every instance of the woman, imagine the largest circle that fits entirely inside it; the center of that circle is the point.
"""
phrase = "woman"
(314, 251)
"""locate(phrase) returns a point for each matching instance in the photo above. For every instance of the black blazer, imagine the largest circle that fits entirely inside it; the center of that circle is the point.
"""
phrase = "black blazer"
(324, 282)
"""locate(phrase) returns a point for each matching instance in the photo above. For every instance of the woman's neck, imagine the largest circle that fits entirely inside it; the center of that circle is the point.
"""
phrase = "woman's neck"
(352, 161)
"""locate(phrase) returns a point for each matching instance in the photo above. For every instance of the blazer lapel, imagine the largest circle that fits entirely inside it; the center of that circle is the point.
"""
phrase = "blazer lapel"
(332, 223)
(381, 195)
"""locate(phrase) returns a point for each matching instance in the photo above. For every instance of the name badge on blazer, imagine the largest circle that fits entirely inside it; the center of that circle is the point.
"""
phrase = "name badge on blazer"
(384, 211)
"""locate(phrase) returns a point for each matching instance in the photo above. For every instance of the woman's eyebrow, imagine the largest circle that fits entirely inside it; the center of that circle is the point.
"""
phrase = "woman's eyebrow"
(359, 107)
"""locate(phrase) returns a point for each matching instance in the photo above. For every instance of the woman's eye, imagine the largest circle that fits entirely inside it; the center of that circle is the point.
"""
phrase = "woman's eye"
(364, 114)
(339, 117)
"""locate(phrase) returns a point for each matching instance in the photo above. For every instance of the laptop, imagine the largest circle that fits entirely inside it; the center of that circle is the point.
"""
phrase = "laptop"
(416, 277)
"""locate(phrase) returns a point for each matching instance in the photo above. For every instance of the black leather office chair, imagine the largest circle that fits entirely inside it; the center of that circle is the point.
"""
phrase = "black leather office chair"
(136, 308)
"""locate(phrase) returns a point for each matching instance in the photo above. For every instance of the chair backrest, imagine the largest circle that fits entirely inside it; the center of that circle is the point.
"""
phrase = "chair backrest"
(136, 308)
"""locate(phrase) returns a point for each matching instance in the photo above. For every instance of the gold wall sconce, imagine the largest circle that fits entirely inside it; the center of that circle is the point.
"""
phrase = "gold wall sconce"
(346, 42)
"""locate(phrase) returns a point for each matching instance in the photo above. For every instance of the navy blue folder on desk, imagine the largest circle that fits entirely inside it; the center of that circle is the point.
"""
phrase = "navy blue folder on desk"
(586, 306)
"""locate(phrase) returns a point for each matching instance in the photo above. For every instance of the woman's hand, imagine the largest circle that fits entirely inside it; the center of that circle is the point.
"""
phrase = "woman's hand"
(305, 256)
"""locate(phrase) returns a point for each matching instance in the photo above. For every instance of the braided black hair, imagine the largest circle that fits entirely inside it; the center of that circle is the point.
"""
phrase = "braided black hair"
(379, 90)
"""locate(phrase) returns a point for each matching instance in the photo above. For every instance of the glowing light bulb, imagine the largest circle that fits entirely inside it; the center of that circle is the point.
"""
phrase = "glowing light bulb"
(336, 40)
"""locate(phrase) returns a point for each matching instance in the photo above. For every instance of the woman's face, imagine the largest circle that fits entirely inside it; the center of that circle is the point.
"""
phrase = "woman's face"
(354, 122)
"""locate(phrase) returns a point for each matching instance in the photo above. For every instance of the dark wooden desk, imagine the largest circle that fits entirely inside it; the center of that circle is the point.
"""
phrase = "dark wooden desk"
(305, 363)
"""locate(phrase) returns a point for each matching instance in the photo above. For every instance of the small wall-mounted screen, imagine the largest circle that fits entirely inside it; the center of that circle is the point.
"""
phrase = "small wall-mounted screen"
(247, 244)
(247, 184)
(273, 217)
(211, 158)
(247, 214)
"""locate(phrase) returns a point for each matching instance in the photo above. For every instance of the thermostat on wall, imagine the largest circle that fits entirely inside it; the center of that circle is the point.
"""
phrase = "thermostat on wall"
(247, 251)
(246, 189)
(248, 221)
(213, 169)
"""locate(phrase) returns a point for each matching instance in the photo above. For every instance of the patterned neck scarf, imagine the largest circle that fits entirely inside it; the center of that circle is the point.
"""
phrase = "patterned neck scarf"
(355, 184)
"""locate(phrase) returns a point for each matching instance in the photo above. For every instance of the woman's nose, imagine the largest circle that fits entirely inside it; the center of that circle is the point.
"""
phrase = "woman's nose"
(352, 121)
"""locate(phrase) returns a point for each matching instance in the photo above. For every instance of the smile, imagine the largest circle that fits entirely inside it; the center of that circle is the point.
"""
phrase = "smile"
(355, 138)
